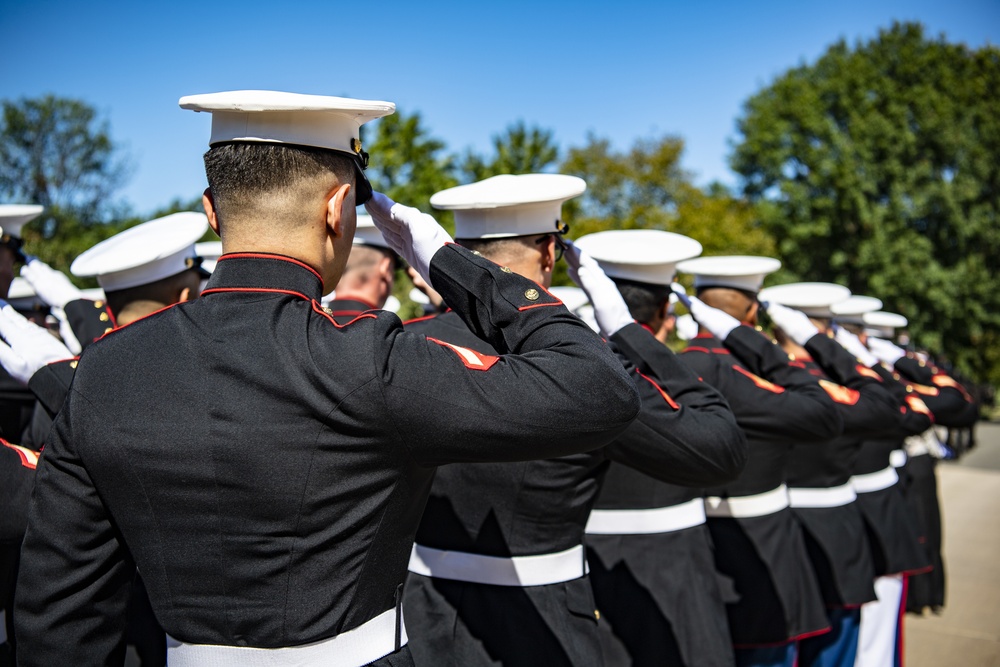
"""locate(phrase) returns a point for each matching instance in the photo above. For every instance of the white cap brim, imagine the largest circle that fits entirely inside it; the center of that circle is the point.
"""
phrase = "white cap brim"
(742, 272)
(15, 216)
(143, 254)
(813, 299)
(643, 255)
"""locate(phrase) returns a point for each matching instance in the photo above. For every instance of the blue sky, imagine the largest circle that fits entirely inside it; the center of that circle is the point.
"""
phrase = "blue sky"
(622, 70)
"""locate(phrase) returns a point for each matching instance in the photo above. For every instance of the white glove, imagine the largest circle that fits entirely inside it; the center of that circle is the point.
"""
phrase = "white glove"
(793, 322)
(853, 344)
(52, 286)
(415, 236)
(885, 351)
(719, 323)
(610, 309)
(28, 346)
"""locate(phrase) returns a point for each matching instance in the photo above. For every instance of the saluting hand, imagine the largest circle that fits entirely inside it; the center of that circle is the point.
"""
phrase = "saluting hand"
(793, 322)
(853, 344)
(28, 346)
(414, 235)
(610, 310)
(885, 351)
(53, 287)
(720, 324)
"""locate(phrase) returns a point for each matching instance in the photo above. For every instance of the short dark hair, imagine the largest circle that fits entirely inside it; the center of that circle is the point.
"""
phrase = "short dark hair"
(241, 173)
(644, 300)
(494, 247)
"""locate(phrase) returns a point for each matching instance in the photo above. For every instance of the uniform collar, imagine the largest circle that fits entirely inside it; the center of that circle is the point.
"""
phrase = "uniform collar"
(245, 270)
(351, 305)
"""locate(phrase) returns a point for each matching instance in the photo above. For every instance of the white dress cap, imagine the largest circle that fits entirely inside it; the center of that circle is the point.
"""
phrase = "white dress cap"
(210, 252)
(884, 319)
(288, 118)
(508, 205)
(813, 299)
(145, 253)
(573, 298)
(742, 272)
(15, 216)
(643, 255)
(850, 311)
(368, 234)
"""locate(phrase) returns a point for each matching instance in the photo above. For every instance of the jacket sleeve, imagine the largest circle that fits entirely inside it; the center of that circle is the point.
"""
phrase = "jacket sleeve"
(865, 405)
(769, 397)
(685, 433)
(88, 319)
(555, 388)
(17, 477)
(73, 582)
(51, 384)
(946, 398)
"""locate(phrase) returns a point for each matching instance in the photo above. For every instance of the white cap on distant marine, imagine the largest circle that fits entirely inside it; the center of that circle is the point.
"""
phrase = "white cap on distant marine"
(643, 255)
(741, 272)
(508, 205)
(268, 116)
(145, 253)
(885, 319)
(813, 299)
(210, 252)
(852, 309)
(368, 234)
(15, 216)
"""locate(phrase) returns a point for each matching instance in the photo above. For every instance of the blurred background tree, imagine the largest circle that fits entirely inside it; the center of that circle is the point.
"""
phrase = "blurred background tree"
(878, 167)
(517, 150)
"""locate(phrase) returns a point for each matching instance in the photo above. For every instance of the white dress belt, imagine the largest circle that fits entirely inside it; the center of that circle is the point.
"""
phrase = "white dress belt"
(835, 496)
(745, 507)
(649, 521)
(515, 571)
(354, 648)
(875, 481)
(898, 457)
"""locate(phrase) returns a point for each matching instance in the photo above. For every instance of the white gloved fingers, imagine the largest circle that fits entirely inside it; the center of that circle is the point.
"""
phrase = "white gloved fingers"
(853, 344)
(52, 286)
(378, 208)
(13, 364)
(66, 331)
(11, 321)
(572, 255)
(793, 322)
(719, 323)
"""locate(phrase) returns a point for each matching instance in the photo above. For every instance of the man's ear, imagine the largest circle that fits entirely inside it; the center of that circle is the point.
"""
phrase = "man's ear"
(335, 209)
(549, 254)
(208, 202)
(751, 317)
(385, 267)
(185, 295)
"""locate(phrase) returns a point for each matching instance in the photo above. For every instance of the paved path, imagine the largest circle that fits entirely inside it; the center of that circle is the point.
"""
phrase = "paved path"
(967, 633)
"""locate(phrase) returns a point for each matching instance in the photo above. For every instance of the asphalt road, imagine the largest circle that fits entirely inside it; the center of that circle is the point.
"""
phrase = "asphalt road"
(967, 632)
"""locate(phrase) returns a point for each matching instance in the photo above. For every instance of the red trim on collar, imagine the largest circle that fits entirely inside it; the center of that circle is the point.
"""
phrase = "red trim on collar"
(280, 258)
(421, 319)
(704, 335)
(319, 309)
(271, 290)
(714, 350)
(539, 305)
(118, 328)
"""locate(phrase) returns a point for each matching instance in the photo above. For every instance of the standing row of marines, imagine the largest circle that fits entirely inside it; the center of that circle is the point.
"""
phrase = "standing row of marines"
(269, 480)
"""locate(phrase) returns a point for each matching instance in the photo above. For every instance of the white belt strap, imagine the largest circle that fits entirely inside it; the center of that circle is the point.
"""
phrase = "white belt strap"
(645, 522)
(354, 648)
(875, 481)
(836, 496)
(515, 571)
(744, 507)
(898, 457)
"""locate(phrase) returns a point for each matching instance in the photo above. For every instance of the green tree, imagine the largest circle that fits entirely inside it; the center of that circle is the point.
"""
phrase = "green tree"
(58, 153)
(518, 150)
(646, 188)
(878, 167)
(407, 164)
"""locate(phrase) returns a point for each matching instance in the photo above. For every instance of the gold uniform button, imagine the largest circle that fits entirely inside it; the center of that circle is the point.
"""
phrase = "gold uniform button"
(328, 310)
(597, 614)
(109, 330)
(98, 304)
(531, 294)
(477, 253)
(505, 269)
(73, 364)
(103, 317)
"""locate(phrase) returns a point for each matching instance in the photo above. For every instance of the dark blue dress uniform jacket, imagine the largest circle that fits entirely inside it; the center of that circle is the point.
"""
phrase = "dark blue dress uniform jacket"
(265, 468)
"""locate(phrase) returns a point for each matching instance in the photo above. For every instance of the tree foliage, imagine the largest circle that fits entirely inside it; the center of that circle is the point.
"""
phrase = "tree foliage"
(879, 167)
(57, 152)
(646, 188)
(518, 150)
